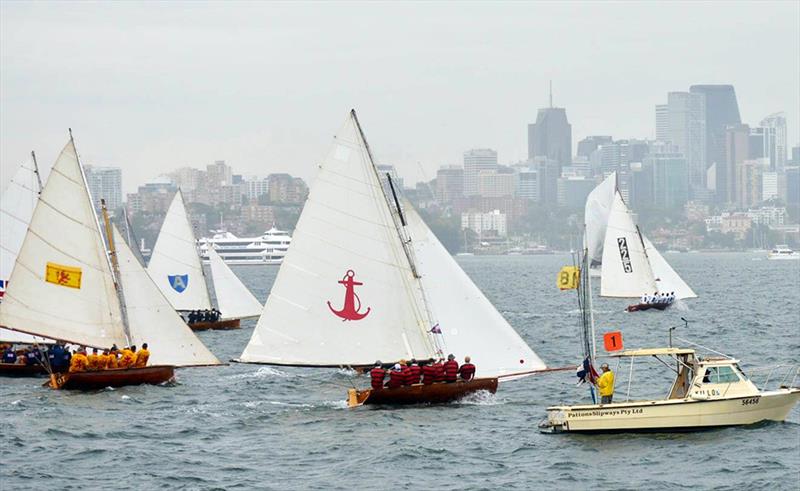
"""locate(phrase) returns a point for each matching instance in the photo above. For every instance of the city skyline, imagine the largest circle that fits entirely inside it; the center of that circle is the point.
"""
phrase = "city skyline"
(264, 112)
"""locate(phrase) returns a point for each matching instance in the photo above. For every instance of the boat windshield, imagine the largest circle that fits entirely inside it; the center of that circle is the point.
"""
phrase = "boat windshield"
(720, 375)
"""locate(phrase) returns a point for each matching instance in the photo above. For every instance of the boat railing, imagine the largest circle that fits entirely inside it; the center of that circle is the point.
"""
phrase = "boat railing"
(784, 375)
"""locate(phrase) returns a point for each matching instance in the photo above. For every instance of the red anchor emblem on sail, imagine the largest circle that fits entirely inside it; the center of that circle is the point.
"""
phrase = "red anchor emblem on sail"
(352, 304)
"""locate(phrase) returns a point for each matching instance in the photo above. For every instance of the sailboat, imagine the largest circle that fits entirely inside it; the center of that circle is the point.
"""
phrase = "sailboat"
(366, 279)
(68, 285)
(177, 269)
(630, 265)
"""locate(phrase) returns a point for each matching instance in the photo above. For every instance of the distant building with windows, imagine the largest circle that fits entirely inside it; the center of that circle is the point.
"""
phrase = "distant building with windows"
(476, 161)
(449, 183)
(105, 183)
(485, 224)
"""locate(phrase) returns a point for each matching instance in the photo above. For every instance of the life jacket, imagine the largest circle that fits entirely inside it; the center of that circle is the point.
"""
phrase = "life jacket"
(78, 363)
(606, 383)
(467, 371)
(9, 356)
(377, 375)
(34, 357)
(438, 371)
(396, 379)
(112, 361)
(450, 371)
(414, 371)
(141, 358)
(428, 374)
(93, 362)
(128, 358)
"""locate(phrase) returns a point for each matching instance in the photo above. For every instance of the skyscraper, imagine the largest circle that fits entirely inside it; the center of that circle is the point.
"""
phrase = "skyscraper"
(774, 125)
(687, 131)
(449, 183)
(551, 136)
(590, 144)
(737, 150)
(662, 122)
(105, 183)
(475, 161)
(721, 111)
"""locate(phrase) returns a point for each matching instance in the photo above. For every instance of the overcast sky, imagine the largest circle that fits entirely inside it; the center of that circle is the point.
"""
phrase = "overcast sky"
(152, 87)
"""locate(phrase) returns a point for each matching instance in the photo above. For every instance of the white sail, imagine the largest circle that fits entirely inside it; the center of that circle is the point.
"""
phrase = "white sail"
(14, 337)
(469, 322)
(152, 319)
(626, 271)
(234, 300)
(175, 264)
(345, 236)
(667, 280)
(598, 207)
(62, 286)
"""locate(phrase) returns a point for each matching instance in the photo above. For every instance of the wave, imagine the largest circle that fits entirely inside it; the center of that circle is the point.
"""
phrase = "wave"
(262, 372)
(481, 398)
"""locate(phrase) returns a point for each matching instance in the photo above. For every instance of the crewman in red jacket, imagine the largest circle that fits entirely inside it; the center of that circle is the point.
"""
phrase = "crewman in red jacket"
(450, 369)
(438, 370)
(467, 370)
(428, 373)
(396, 377)
(414, 372)
(377, 375)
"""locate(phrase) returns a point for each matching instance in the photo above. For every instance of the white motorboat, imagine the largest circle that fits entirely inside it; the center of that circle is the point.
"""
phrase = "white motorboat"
(706, 393)
(782, 252)
(268, 248)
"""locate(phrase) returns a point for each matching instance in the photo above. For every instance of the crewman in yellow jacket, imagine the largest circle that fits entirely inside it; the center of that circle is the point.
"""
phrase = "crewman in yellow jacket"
(94, 361)
(78, 362)
(606, 384)
(112, 361)
(128, 357)
(142, 356)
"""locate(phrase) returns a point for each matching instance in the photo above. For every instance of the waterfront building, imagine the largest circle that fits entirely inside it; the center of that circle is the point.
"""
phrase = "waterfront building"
(475, 161)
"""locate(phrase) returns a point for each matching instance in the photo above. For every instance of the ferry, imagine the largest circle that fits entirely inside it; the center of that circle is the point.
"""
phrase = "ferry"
(269, 248)
(783, 252)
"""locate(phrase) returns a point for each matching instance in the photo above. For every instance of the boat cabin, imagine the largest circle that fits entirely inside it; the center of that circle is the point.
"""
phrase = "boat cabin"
(697, 377)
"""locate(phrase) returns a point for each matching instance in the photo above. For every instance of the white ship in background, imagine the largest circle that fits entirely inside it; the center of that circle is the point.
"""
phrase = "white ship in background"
(269, 248)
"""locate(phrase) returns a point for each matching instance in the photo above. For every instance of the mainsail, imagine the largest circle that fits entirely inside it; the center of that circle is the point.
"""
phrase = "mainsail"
(469, 323)
(345, 293)
(175, 265)
(62, 286)
(152, 319)
(234, 300)
(598, 208)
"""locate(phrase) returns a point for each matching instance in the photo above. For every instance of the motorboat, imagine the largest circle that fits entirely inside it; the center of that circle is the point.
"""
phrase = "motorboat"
(782, 252)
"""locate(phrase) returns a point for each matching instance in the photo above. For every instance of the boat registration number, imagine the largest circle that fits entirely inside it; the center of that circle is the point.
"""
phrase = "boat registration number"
(750, 401)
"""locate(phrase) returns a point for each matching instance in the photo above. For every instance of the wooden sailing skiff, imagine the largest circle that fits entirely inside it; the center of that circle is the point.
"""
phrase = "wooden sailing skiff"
(115, 377)
(366, 279)
(67, 285)
(18, 370)
(438, 393)
(177, 269)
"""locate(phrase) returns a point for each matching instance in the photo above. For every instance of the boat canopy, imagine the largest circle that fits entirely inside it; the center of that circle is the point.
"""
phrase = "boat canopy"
(652, 352)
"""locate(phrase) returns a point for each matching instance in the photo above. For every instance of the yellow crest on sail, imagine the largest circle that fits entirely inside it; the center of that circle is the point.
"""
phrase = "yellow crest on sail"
(61, 275)
(569, 278)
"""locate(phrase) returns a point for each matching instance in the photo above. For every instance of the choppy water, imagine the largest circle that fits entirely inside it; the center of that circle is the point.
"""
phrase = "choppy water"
(247, 426)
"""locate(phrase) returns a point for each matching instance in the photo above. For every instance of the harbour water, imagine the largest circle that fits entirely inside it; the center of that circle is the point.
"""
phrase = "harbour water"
(259, 427)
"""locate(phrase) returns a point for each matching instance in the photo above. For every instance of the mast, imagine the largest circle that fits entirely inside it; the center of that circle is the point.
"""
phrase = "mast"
(588, 261)
(36, 170)
(112, 254)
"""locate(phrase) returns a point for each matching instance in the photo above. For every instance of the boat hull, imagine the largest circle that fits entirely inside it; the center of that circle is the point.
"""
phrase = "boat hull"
(223, 325)
(421, 394)
(672, 415)
(16, 370)
(120, 377)
(647, 306)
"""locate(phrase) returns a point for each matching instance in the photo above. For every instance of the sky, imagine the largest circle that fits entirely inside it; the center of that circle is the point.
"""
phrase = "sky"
(151, 87)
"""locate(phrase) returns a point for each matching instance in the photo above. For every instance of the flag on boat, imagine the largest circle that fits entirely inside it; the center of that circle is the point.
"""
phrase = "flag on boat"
(569, 278)
(3, 284)
(586, 372)
(63, 275)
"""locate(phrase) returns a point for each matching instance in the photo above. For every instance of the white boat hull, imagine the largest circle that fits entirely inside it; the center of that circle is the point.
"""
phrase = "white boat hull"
(248, 262)
(672, 414)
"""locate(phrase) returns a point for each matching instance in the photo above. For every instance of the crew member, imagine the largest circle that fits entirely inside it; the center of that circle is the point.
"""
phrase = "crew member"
(128, 357)
(428, 373)
(414, 372)
(467, 370)
(142, 356)
(9, 356)
(377, 374)
(438, 370)
(79, 362)
(450, 369)
(34, 356)
(396, 378)
(606, 384)
(112, 361)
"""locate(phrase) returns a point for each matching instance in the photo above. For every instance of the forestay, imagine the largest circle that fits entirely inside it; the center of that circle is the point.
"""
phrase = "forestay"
(598, 207)
(345, 293)
(469, 323)
(667, 280)
(152, 319)
(234, 300)
(62, 286)
(175, 264)
(626, 270)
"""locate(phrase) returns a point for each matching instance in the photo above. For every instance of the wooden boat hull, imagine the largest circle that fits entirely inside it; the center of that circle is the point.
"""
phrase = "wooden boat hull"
(217, 326)
(647, 306)
(16, 370)
(118, 377)
(671, 415)
(421, 394)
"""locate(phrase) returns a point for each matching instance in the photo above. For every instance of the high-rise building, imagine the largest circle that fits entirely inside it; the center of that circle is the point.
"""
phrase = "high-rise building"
(670, 183)
(551, 136)
(748, 183)
(737, 150)
(774, 126)
(721, 111)
(769, 186)
(686, 123)
(285, 189)
(662, 122)
(796, 155)
(255, 187)
(528, 183)
(105, 183)
(792, 186)
(641, 185)
(475, 161)
(449, 183)
(547, 173)
(493, 223)
(219, 174)
(573, 191)
(497, 183)
(590, 144)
